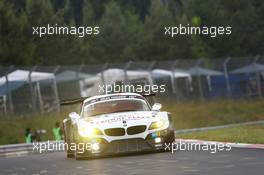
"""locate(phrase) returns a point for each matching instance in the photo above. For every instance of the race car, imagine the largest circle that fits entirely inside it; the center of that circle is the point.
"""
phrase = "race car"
(117, 123)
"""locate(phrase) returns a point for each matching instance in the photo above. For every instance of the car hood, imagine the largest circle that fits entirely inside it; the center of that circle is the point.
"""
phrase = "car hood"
(126, 119)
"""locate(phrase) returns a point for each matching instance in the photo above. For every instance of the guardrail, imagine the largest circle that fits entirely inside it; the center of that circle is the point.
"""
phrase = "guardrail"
(24, 148)
(6, 150)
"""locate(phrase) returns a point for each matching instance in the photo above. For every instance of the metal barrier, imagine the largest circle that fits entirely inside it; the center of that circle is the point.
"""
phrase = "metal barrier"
(24, 149)
(40, 88)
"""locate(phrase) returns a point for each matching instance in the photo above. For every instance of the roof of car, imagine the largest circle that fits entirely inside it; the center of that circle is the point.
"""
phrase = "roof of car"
(111, 95)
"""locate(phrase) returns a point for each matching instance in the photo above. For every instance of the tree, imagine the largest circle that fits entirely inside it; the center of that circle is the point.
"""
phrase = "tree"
(113, 39)
(52, 49)
(15, 46)
(154, 44)
(243, 16)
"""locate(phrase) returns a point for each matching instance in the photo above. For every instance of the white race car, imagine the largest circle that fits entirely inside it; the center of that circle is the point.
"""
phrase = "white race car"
(117, 123)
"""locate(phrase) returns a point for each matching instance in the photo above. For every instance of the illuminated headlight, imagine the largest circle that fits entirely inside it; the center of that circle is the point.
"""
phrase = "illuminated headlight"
(95, 146)
(157, 124)
(86, 130)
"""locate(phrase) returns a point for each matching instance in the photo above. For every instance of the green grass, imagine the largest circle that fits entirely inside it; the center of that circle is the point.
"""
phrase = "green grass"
(13, 130)
(196, 114)
(243, 134)
(185, 115)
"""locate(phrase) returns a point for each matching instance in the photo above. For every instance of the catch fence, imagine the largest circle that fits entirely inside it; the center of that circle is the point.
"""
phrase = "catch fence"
(34, 89)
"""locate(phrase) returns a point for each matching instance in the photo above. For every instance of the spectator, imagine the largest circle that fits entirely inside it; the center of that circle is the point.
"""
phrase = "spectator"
(57, 132)
(28, 136)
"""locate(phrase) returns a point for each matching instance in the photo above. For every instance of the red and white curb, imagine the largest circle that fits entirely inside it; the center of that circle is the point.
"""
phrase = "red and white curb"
(233, 145)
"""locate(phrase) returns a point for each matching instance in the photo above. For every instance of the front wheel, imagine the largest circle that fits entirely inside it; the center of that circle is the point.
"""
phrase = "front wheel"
(77, 157)
(170, 138)
(68, 138)
(70, 155)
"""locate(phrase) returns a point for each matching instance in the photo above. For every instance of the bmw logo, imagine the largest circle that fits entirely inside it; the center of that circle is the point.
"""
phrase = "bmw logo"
(124, 123)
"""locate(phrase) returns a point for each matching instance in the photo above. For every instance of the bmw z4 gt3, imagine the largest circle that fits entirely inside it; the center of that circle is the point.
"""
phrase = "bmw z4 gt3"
(117, 123)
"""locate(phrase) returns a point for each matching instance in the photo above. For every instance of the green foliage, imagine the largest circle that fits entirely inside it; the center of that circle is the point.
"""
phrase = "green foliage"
(15, 46)
(132, 29)
(244, 17)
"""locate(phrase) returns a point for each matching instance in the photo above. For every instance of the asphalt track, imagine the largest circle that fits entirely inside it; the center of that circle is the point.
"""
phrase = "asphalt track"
(238, 161)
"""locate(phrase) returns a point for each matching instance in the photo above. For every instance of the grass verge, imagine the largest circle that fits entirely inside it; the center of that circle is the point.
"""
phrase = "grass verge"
(13, 130)
(186, 115)
(202, 114)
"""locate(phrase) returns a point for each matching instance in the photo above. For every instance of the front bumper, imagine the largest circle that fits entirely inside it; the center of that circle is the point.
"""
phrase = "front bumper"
(128, 145)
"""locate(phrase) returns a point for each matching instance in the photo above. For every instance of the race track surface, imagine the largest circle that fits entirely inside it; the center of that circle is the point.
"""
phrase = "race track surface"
(235, 162)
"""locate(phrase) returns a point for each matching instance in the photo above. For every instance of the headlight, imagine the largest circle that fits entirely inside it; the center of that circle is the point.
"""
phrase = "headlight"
(86, 130)
(95, 146)
(157, 124)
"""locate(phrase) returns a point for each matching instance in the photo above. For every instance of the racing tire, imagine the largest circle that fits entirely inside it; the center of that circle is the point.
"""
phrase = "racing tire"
(70, 155)
(77, 157)
(67, 140)
(170, 138)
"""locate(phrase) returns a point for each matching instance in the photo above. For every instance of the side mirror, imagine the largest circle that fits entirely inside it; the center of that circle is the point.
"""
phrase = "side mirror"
(74, 117)
(156, 107)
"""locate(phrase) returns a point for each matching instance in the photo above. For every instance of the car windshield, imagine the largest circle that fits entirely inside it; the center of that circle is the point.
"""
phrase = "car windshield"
(107, 107)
